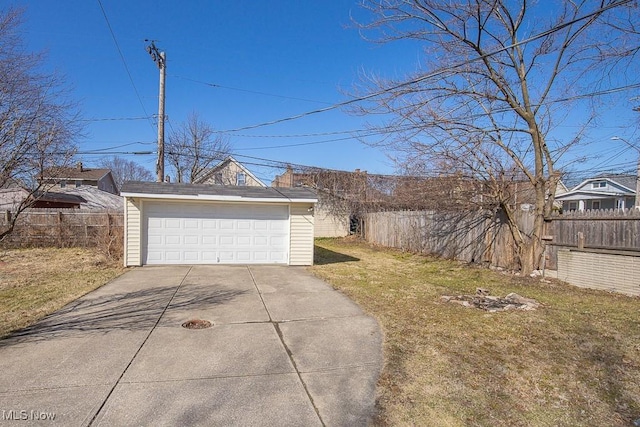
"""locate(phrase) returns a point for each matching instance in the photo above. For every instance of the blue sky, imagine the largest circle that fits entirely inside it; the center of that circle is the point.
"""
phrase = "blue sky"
(272, 59)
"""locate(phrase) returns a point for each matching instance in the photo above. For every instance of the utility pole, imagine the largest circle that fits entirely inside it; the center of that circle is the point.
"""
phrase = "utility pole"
(160, 59)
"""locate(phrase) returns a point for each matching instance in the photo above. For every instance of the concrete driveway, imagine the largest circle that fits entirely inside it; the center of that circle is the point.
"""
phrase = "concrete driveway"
(285, 349)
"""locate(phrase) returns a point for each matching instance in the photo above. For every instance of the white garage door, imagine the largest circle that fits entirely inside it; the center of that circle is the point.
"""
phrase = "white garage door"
(210, 233)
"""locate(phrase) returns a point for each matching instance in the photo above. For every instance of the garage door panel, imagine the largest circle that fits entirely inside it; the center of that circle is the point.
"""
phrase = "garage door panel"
(210, 240)
(226, 241)
(191, 240)
(191, 224)
(209, 224)
(277, 226)
(172, 240)
(226, 224)
(172, 223)
(193, 233)
(191, 256)
(260, 225)
(209, 257)
(172, 255)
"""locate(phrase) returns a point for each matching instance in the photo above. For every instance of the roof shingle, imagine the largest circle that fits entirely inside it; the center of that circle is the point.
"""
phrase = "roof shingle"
(162, 188)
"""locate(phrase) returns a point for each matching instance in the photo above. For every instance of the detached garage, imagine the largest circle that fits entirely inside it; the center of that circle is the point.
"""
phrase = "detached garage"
(209, 224)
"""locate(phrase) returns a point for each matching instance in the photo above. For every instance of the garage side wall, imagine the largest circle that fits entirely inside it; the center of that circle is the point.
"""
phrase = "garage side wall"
(301, 234)
(132, 233)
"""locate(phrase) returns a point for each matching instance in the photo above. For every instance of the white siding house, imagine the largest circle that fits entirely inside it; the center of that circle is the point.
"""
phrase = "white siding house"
(605, 192)
(204, 224)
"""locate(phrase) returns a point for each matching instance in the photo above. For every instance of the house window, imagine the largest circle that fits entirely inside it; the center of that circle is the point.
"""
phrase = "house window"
(78, 183)
(599, 184)
(595, 204)
(63, 183)
(573, 206)
(241, 178)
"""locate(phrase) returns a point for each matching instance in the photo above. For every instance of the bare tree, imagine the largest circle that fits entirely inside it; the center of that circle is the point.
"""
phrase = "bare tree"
(125, 170)
(193, 147)
(497, 77)
(37, 121)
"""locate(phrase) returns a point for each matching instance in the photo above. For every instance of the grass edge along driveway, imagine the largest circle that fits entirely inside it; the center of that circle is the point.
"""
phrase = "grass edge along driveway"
(575, 361)
(35, 282)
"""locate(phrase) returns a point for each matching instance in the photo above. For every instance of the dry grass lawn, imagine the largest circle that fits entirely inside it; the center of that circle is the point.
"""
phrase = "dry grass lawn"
(574, 362)
(36, 282)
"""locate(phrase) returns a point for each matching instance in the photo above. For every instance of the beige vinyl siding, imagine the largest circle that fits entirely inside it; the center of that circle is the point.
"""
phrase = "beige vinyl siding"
(301, 234)
(228, 173)
(329, 225)
(133, 237)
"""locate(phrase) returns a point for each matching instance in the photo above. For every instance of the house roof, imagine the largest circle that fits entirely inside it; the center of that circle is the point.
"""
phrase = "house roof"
(624, 185)
(87, 197)
(162, 190)
(79, 172)
(628, 181)
(94, 198)
(222, 164)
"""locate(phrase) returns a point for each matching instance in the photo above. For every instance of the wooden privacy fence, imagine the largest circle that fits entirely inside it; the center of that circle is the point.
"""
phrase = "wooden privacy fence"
(472, 236)
(484, 237)
(610, 230)
(64, 228)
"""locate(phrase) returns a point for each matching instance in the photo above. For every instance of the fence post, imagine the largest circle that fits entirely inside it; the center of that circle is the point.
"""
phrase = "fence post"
(60, 229)
(580, 240)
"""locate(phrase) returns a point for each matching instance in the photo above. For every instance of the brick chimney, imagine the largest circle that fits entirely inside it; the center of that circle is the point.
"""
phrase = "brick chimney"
(79, 166)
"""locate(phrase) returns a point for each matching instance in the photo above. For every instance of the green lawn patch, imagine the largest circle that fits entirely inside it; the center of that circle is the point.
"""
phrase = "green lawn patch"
(573, 362)
(36, 282)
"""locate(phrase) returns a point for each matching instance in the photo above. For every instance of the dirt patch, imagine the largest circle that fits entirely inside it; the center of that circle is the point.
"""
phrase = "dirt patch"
(484, 301)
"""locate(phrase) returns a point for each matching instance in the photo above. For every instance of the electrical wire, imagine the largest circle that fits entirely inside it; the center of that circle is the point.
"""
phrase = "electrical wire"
(105, 119)
(431, 75)
(124, 62)
(249, 91)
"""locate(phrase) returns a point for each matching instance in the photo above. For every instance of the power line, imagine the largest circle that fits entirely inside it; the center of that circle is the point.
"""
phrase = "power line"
(105, 119)
(249, 91)
(432, 74)
(124, 62)
(300, 144)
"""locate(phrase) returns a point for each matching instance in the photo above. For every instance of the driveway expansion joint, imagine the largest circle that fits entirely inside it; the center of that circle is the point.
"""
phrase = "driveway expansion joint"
(276, 326)
(106, 399)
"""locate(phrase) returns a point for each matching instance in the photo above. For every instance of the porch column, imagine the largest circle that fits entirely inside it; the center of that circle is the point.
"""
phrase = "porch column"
(581, 205)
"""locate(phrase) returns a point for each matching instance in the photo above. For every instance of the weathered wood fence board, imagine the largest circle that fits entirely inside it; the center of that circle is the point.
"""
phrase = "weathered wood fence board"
(64, 228)
(485, 237)
(473, 236)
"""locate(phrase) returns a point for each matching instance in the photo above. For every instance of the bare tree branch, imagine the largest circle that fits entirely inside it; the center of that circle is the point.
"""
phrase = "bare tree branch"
(486, 101)
(194, 147)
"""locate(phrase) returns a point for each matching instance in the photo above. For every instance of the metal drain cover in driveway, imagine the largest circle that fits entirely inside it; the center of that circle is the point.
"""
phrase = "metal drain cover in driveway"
(196, 324)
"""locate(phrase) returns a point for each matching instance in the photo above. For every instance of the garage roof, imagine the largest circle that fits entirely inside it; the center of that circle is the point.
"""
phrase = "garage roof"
(163, 190)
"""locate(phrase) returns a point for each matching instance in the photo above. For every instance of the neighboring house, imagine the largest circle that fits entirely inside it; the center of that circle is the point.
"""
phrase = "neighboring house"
(215, 224)
(59, 177)
(94, 199)
(603, 192)
(10, 198)
(230, 172)
(85, 198)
